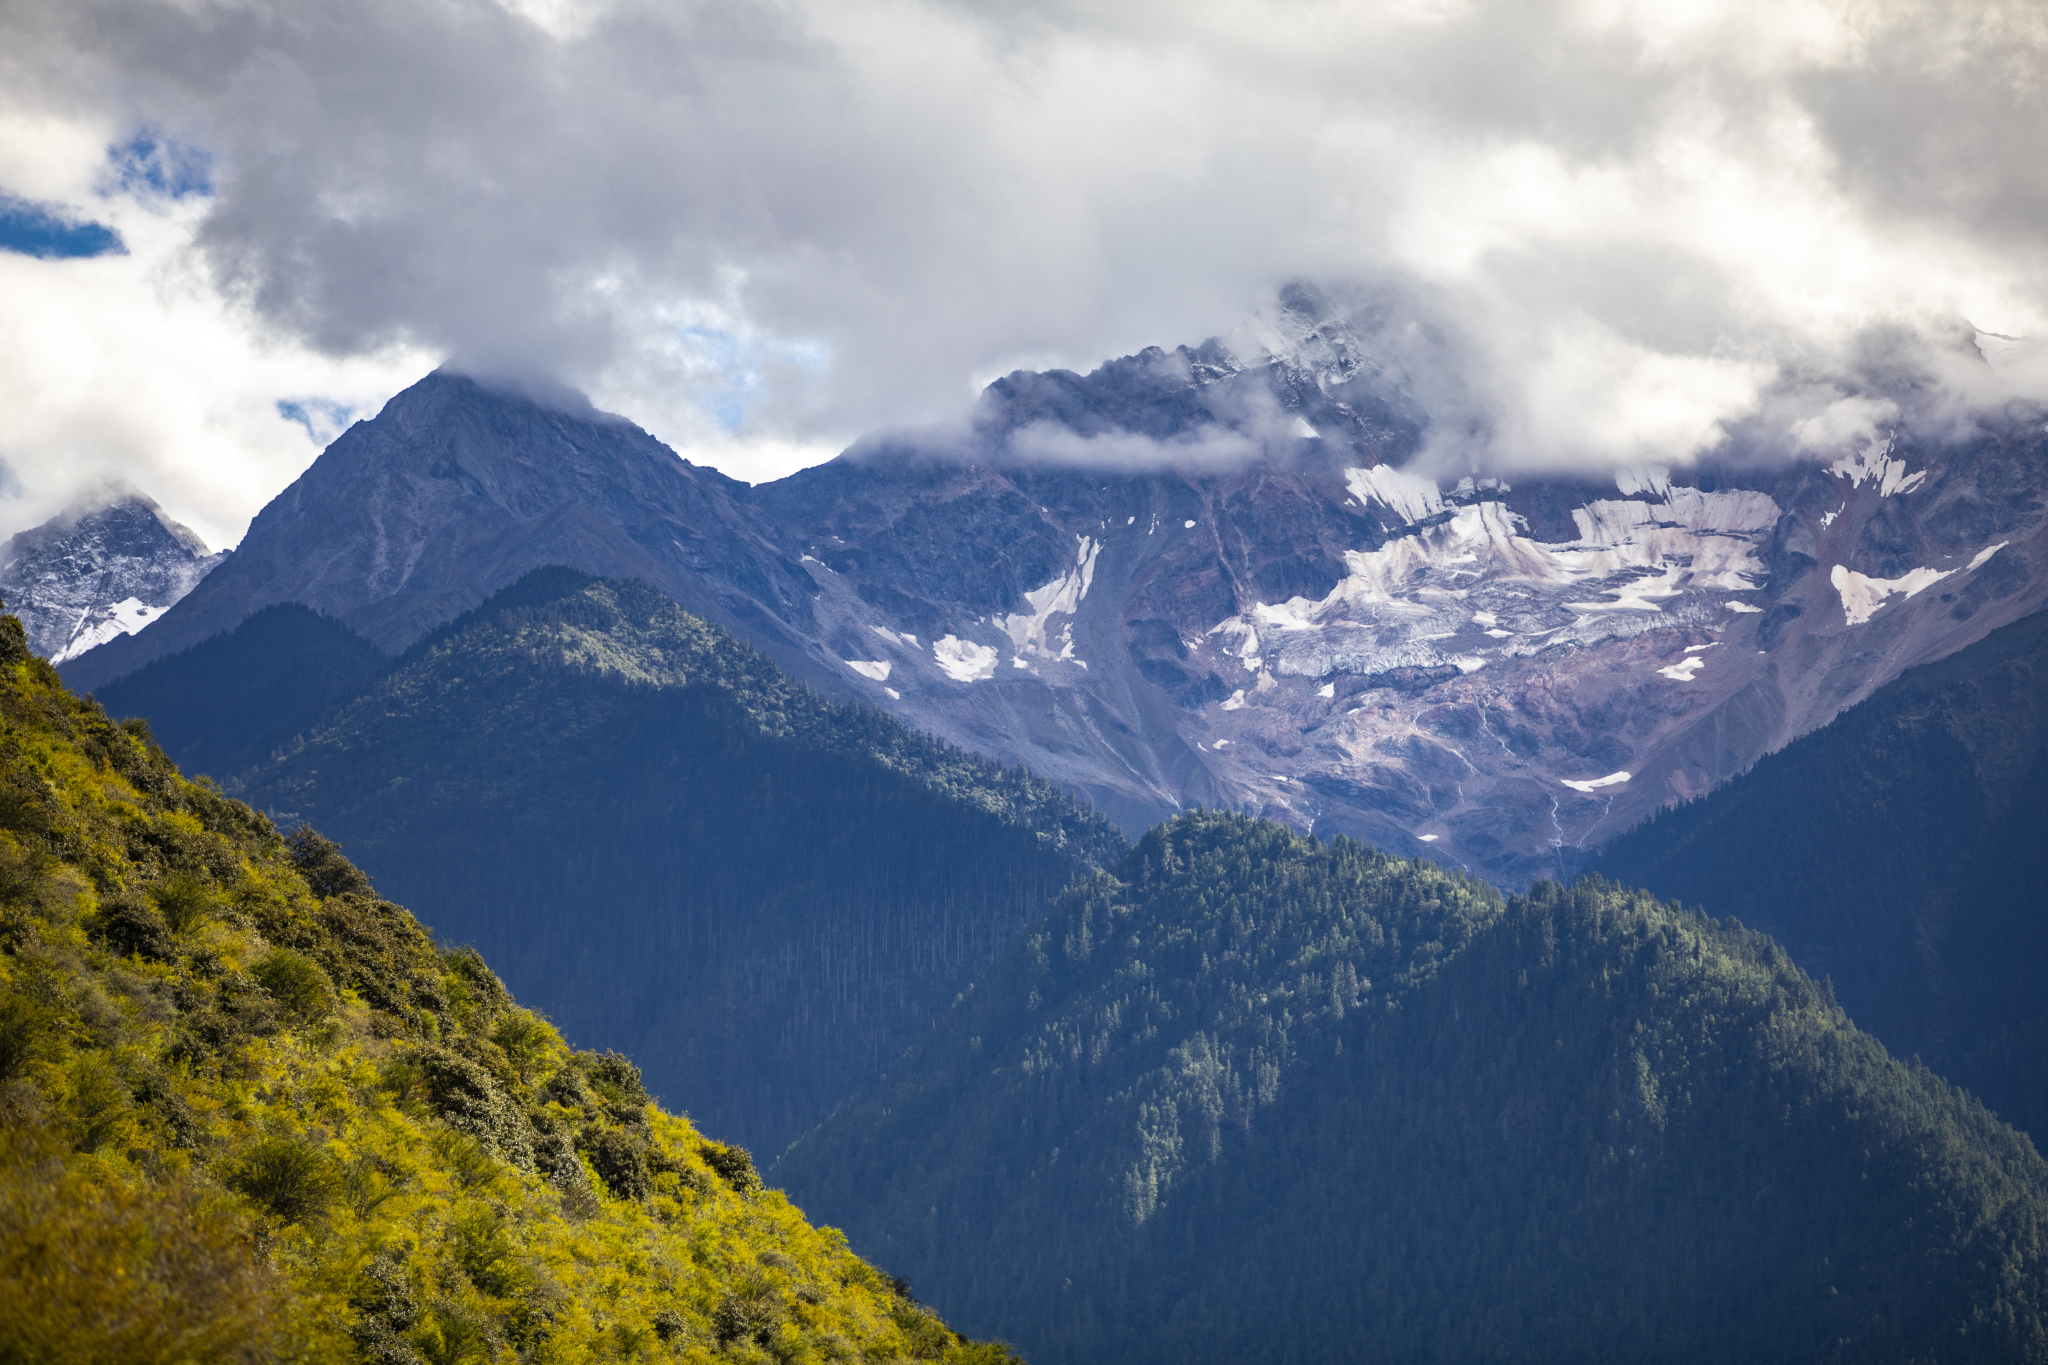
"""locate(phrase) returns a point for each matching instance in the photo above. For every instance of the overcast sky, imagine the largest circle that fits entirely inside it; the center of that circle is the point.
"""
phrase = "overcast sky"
(761, 229)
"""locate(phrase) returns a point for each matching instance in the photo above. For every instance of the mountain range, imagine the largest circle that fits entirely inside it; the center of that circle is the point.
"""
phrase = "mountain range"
(730, 777)
(659, 838)
(1250, 1096)
(1211, 576)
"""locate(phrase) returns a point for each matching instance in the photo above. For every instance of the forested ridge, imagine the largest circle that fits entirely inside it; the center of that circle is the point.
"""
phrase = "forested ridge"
(1253, 1097)
(1901, 852)
(250, 1111)
(667, 844)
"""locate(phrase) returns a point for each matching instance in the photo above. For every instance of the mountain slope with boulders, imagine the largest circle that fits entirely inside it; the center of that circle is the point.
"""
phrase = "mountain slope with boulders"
(1248, 1096)
(1901, 853)
(254, 1113)
(655, 835)
(1219, 575)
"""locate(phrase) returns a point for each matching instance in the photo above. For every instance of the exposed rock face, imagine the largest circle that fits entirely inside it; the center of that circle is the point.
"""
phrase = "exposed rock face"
(1204, 577)
(99, 571)
(456, 490)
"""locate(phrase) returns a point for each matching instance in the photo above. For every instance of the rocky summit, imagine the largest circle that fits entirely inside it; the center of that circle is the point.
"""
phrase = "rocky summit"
(1217, 576)
(100, 570)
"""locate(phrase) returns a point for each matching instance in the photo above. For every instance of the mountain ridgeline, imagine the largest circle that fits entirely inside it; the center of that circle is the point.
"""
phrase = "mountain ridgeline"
(1900, 851)
(1247, 1096)
(250, 1112)
(654, 834)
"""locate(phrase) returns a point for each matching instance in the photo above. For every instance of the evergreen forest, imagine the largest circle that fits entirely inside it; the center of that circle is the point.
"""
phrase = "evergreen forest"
(656, 836)
(252, 1112)
(1249, 1096)
(1899, 852)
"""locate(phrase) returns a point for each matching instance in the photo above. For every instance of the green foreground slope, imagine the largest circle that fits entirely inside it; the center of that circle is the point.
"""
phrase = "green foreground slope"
(661, 840)
(250, 1112)
(1900, 851)
(1250, 1097)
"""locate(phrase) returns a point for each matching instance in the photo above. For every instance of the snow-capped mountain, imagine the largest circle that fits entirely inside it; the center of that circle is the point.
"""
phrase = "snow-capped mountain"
(101, 569)
(1214, 576)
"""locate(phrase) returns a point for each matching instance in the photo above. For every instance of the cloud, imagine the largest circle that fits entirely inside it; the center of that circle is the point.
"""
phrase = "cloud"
(762, 228)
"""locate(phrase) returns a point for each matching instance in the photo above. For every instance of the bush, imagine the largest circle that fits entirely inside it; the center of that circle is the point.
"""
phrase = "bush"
(292, 1182)
(735, 1165)
(618, 1081)
(621, 1162)
(487, 1253)
(295, 982)
(129, 925)
(185, 902)
(99, 1100)
(753, 1309)
(26, 1034)
(525, 1040)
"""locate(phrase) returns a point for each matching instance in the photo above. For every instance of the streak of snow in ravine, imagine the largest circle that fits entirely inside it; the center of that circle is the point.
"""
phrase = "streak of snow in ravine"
(1873, 465)
(1982, 555)
(1429, 838)
(963, 660)
(124, 617)
(1684, 670)
(1863, 597)
(876, 670)
(1594, 784)
(1028, 631)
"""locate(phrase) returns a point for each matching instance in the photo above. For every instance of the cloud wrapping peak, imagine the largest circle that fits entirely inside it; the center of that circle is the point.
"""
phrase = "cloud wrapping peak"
(751, 223)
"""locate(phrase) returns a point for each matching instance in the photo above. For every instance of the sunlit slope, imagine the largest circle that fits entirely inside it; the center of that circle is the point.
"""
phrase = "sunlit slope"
(663, 841)
(1254, 1098)
(252, 1112)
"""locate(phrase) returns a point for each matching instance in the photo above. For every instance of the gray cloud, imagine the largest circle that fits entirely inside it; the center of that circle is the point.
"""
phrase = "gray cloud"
(1634, 228)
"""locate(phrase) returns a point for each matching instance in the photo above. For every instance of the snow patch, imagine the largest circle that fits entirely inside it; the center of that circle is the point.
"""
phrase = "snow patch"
(1235, 701)
(1304, 430)
(1187, 526)
(1408, 496)
(1863, 597)
(1743, 607)
(1429, 838)
(1652, 479)
(1873, 465)
(875, 670)
(102, 624)
(1684, 670)
(1983, 555)
(1031, 632)
(1327, 691)
(963, 660)
(1594, 784)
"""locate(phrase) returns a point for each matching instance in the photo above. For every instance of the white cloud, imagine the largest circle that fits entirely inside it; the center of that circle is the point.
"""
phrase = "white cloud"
(761, 229)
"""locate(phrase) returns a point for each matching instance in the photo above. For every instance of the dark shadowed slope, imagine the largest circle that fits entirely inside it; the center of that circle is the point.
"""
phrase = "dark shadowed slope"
(251, 1113)
(670, 847)
(1248, 1097)
(226, 703)
(1901, 851)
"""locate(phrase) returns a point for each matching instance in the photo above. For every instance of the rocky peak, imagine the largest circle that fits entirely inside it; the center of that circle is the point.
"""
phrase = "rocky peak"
(103, 568)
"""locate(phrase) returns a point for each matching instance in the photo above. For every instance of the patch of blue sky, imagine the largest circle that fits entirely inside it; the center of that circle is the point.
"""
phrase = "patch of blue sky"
(48, 233)
(323, 418)
(152, 166)
(738, 362)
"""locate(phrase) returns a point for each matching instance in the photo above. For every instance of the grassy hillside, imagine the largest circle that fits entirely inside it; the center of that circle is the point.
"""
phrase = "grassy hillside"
(1900, 852)
(252, 1112)
(1251, 1097)
(672, 849)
